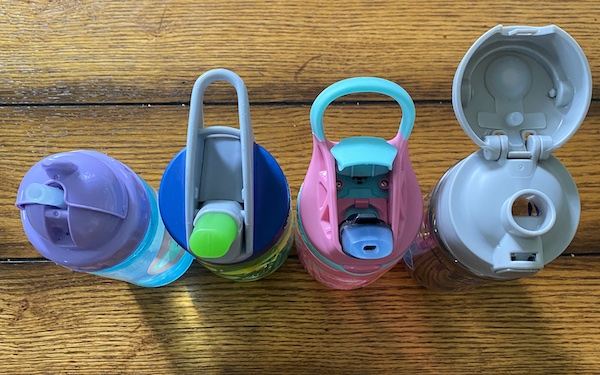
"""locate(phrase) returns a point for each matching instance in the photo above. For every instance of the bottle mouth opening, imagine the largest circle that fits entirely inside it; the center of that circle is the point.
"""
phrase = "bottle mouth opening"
(529, 213)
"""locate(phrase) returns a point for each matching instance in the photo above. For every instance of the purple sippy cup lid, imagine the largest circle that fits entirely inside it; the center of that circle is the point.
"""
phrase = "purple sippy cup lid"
(83, 209)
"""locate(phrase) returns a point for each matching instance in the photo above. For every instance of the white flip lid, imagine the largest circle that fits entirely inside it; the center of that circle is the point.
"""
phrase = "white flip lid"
(522, 80)
(506, 219)
(519, 93)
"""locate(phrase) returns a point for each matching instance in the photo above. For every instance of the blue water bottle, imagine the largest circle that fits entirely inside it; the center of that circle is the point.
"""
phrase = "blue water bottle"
(224, 197)
(90, 213)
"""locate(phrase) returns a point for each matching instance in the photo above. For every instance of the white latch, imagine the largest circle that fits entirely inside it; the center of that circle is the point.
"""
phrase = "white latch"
(537, 147)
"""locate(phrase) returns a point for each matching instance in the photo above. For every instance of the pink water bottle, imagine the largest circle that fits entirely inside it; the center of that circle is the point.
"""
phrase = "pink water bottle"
(360, 204)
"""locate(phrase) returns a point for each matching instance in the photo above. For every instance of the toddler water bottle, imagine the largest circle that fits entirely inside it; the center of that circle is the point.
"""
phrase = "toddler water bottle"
(88, 212)
(510, 208)
(360, 205)
(224, 198)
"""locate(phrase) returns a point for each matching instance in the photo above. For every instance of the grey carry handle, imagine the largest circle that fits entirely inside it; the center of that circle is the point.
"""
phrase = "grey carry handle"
(193, 152)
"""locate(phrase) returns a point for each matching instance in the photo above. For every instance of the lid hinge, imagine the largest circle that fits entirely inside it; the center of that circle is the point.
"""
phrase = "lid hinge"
(537, 147)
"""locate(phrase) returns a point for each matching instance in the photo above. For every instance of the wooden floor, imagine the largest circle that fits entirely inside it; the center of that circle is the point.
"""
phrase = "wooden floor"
(116, 76)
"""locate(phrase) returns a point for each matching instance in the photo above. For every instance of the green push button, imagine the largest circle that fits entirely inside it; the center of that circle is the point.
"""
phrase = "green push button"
(213, 235)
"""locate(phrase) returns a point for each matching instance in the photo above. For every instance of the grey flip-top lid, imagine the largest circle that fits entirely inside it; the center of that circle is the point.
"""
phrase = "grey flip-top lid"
(522, 80)
(532, 86)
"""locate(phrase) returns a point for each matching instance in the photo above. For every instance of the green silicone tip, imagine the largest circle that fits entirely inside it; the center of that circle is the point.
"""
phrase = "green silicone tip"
(213, 235)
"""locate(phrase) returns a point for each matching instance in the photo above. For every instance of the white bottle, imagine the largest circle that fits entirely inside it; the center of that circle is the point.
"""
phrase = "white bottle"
(510, 208)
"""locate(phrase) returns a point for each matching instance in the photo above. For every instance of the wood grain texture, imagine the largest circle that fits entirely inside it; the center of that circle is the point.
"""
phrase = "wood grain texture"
(146, 138)
(81, 74)
(53, 320)
(112, 51)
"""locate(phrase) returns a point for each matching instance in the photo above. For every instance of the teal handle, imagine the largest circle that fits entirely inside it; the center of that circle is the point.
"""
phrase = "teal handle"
(362, 85)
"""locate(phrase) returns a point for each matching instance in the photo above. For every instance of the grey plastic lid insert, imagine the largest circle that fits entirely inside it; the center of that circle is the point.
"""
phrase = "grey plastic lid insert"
(522, 80)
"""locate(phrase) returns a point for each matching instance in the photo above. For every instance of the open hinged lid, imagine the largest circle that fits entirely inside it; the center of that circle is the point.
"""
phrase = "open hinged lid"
(519, 93)
(520, 81)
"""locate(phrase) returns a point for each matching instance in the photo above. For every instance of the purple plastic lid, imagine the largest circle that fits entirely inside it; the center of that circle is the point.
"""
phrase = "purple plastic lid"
(83, 209)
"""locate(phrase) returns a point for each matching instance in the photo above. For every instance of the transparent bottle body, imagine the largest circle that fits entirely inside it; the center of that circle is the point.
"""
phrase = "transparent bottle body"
(336, 279)
(333, 277)
(157, 261)
(430, 262)
(261, 266)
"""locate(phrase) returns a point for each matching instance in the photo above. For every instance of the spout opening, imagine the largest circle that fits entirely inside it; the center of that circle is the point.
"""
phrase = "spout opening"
(529, 213)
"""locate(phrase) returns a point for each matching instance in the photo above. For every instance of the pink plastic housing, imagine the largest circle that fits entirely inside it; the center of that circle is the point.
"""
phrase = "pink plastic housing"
(320, 214)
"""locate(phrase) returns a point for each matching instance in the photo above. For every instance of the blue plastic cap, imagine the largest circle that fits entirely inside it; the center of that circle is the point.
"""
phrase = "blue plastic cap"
(270, 186)
(366, 237)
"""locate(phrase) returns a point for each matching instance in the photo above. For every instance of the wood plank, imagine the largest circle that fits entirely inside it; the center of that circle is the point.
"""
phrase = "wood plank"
(53, 320)
(146, 138)
(110, 51)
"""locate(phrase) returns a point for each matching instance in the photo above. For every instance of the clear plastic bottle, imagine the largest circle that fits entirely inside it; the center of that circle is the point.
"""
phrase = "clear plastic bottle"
(510, 208)
(334, 275)
(259, 267)
(90, 213)
(431, 263)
